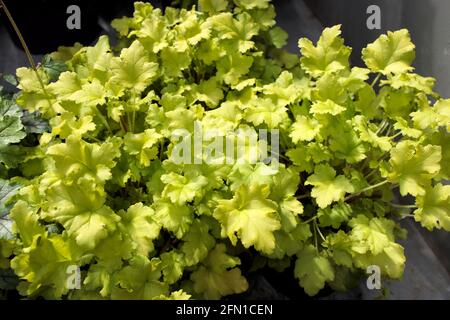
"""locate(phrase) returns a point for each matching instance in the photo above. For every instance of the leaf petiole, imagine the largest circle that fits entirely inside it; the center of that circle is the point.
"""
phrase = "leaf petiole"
(366, 189)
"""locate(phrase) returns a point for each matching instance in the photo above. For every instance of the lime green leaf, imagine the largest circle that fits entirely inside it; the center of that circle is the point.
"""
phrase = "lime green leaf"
(291, 242)
(390, 54)
(212, 6)
(100, 276)
(301, 158)
(240, 30)
(252, 4)
(371, 235)
(411, 80)
(134, 69)
(197, 243)
(91, 94)
(176, 295)
(266, 111)
(251, 217)
(25, 223)
(174, 218)
(29, 81)
(174, 61)
(284, 188)
(66, 86)
(413, 166)
(138, 223)
(406, 129)
(75, 159)
(82, 212)
(172, 266)
(217, 277)
(141, 280)
(247, 174)
(326, 107)
(313, 270)
(232, 67)
(433, 208)
(142, 145)
(181, 189)
(287, 89)
(45, 266)
(210, 92)
(67, 124)
(391, 261)
(304, 129)
(433, 117)
(278, 36)
(367, 135)
(335, 216)
(329, 55)
(346, 145)
(339, 245)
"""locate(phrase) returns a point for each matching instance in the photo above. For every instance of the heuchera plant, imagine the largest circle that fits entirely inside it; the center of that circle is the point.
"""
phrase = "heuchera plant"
(103, 194)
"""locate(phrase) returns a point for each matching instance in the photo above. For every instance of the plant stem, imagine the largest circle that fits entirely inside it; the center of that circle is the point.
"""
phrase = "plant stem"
(402, 206)
(123, 125)
(130, 125)
(161, 150)
(370, 173)
(309, 220)
(394, 186)
(389, 129)
(269, 148)
(365, 163)
(375, 170)
(366, 189)
(93, 138)
(382, 126)
(103, 119)
(133, 115)
(315, 239)
(318, 230)
(395, 136)
(303, 196)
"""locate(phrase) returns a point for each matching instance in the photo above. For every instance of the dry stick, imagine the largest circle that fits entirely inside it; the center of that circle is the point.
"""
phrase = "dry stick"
(24, 45)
